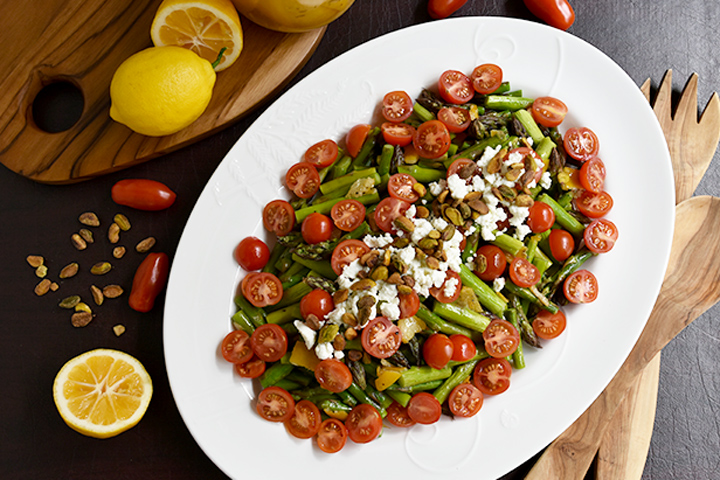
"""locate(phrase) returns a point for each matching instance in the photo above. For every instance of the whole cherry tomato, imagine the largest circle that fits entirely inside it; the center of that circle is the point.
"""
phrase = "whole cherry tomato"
(444, 8)
(556, 13)
(149, 280)
(142, 194)
(252, 253)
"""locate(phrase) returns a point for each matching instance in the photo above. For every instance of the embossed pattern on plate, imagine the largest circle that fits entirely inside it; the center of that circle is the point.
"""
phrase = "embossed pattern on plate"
(564, 377)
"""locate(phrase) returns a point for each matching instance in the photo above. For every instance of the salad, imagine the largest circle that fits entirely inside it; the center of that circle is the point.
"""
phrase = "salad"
(417, 261)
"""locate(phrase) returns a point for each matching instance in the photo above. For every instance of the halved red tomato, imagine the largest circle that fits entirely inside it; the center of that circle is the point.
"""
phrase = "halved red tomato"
(486, 78)
(279, 217)
(490, 262)
(456, 119)
(492, 375)
(523, 273)
(381, 338)
(409, 304)
(501, 338)
(397, 106)
(548, 111)
(463, 167)
(332, 435)
(253, 368)
(322, 154)
(445, 292)
(463, 347)
(400, 134)
(424, 408)
(592, 175)
(235, 347)
(348, 214)
(262, 289)
(363, 423)
(465, 400)
(333, 375)
(594, 205)
(581, 287)
(581, 143)
(346, 252)
(432, 139)
(275, 404)
(269, 342)
(305, 420)
(303, 179)
(400, 186)
(398, 416)
(549, 325)
(387, 211)
(600, 236)
(355, 138)
(455, 87)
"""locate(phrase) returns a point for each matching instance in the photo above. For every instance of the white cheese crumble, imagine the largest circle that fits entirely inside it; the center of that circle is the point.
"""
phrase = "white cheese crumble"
(307, 333)
(379, 241)
(499, 284)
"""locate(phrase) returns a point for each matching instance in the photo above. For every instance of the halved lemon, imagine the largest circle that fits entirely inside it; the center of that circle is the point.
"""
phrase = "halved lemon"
(204, 26)
(102, 393)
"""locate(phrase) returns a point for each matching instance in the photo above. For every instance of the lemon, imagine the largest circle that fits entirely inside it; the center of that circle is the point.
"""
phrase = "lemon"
(161, 90)
(204, 26)
(102, 393)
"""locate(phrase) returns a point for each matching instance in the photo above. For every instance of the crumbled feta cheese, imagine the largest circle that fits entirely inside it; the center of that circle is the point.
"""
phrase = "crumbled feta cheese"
(487, 155)
(379, 241)
(458, 187)
(422, 228)
(499, 284)
(324, 350)
(436, 188)
(450, 287)
(349, 274)
(546, 180)
(307, 333)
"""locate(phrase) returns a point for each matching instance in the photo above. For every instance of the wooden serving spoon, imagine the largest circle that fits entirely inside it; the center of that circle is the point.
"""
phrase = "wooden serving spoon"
(689, 288)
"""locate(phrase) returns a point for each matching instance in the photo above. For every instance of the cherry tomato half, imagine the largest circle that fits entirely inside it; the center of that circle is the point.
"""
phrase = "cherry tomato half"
(463, 347)
(400, 134)
(279, 217)
(600, 236)
(252, 253)
(322, 154)
(486, 78)
(387, 211)
(363, 423)
(235, 347)
(316, 228)
(490, 262)
(346, 252)
(549, 325)
(594, 205)
(581, 287)
(409, 304)
(398, 416)
(381, 338)
(445, 292)
(492, 375)
(149, 280)
(400, 186)
(305, 420)
(548, 111)
(556, 13)
(432, 139)
(581, 143)
(501, 338)
(444, 8)
(318, 302)
(348, 214)
(438, 350)
(562, 244)
(456, 119)
(355, 138)
(332, 436)
(275, 404)
(262, 289)
(540, 217)
(424, 408)
(396, 106)
(303, 179)
(465, 400)
(523, 273)
(269, 342)
(455, 87)
(253, 368)
(142, 194)
(592, 175)
(333, 375)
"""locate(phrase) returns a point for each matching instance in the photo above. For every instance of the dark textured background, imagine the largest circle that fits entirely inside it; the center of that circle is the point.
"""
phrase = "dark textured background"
(645, 37)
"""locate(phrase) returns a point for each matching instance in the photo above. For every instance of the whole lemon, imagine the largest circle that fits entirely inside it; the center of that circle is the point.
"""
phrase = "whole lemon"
(161, 90)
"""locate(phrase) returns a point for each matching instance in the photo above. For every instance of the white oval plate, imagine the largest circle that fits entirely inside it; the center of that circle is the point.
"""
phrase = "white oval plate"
(559, 382)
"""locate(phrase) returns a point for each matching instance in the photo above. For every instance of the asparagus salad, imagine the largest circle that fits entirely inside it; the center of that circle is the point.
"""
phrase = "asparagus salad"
(418, 260)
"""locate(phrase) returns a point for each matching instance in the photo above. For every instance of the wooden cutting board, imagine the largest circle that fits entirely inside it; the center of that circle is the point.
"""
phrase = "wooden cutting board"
(82, 42)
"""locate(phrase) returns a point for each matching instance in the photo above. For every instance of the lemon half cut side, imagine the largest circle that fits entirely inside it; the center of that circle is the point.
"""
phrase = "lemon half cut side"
(102, 393)
(205, 27)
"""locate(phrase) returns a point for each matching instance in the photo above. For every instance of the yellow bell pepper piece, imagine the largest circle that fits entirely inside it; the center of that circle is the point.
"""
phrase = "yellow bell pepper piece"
(386, 376)
(302, 357)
